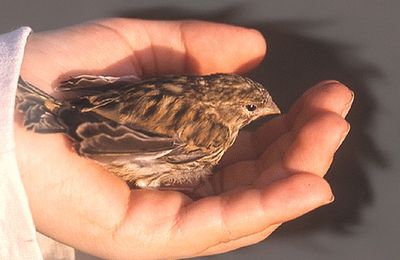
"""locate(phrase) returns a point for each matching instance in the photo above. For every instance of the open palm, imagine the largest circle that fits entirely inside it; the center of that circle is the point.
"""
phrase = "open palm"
(268, 177)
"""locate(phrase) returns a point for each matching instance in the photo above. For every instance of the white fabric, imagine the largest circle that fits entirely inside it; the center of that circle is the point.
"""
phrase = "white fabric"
(17, 233)
(18, 238)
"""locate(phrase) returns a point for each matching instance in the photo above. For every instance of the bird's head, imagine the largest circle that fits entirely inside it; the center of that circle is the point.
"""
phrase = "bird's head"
(237, 100)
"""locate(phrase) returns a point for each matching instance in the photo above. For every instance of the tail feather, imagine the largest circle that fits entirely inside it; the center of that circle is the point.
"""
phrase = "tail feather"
(39, 109)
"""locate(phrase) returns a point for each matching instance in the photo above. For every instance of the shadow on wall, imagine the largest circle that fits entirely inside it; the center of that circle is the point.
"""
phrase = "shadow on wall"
(294, 63)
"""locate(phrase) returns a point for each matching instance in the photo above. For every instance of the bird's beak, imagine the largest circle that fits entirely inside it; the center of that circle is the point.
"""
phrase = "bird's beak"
(271, 109)
(274, 109)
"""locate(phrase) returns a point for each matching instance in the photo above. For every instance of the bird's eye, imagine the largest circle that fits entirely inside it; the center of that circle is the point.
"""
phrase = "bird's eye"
(251, 108)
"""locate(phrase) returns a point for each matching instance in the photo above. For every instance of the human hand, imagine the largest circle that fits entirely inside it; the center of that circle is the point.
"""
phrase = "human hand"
(267, 178)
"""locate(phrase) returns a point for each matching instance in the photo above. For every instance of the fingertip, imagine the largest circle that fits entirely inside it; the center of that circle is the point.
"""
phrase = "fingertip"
(322, 191)
(338, 90)
(329, 96)
(345, 132)
(291, 197)
(255, 47)
(215, 47)
(328, 92)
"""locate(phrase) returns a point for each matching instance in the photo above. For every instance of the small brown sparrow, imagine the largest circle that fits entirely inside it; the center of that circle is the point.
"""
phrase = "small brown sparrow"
(157, 132)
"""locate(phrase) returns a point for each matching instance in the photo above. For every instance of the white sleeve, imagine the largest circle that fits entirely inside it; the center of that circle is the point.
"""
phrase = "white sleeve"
(17, 231)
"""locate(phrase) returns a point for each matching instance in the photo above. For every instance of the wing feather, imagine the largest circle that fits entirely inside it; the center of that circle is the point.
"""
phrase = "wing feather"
(90, 85)
(107, 144)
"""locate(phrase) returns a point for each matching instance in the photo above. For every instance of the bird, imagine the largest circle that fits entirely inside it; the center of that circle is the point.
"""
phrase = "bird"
(160, 132)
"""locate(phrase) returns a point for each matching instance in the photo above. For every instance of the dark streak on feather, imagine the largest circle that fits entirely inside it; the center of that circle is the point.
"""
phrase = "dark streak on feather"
(155, 104)
(197, 114)
(181, 112)
(150, 110)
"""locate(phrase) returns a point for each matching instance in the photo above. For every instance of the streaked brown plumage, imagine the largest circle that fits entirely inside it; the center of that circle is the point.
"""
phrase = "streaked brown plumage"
(153, 133)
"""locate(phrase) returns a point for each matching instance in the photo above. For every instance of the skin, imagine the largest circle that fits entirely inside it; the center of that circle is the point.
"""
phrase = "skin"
(267, 178)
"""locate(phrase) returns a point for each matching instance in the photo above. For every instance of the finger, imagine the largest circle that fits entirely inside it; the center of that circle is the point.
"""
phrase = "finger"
(233, 176)
(143, 48)
(326, 96)
(330, 96)
(240, 242)
(247, 145)
(310, 149)
(214, 220)
(165, 47)
(315, 144)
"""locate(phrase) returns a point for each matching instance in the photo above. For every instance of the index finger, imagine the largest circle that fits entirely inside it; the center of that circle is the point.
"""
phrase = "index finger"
(165, 47)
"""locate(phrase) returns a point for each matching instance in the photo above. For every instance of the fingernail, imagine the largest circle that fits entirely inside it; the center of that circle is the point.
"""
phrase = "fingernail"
(327, 83)
(348, 105)
(332, 199)
(344, 135)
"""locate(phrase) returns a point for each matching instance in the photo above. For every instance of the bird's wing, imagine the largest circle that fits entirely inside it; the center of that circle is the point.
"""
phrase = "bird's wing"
(104, 139)
(106, 143)
(101, 93)
(86, 85)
